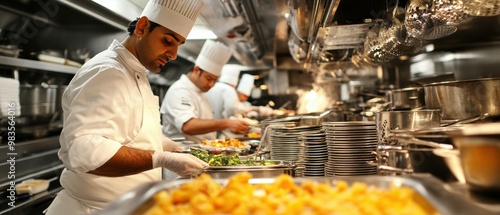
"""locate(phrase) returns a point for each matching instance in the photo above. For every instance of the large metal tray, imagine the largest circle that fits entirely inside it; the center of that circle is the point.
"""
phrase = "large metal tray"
(433, 193)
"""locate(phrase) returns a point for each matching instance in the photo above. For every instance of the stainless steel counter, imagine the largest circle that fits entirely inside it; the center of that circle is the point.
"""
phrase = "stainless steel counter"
(490, 201)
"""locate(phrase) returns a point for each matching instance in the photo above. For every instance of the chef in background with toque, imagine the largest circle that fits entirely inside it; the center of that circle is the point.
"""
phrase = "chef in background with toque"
(223, 97)
(185, 108)
(112, 141)
(244, 91)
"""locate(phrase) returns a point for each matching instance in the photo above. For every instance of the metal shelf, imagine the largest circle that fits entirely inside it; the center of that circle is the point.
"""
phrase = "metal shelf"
(37, 65)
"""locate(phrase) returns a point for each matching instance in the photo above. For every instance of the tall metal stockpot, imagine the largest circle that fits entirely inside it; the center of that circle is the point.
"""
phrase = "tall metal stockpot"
(37, 100)
(464, 99)
(414, 119)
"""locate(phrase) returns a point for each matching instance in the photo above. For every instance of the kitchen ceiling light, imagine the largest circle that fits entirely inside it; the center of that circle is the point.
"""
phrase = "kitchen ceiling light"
(200, 32)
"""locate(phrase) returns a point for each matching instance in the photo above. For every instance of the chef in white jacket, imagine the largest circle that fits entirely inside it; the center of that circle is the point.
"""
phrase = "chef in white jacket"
(112, 141)
(223, 97)
(244, 90)
(185, 108)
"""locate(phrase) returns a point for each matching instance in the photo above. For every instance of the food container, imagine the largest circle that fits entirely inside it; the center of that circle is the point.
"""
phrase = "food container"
(431, 193)
(479, 147)
(225, 147)
(32, 186)
(281, 167)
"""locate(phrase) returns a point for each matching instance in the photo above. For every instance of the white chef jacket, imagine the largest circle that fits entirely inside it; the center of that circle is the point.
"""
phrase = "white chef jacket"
(107, 105)
(184, 101)
(223, 99)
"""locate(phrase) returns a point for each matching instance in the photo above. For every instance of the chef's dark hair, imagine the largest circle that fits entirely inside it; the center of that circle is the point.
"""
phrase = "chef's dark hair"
(131, 26)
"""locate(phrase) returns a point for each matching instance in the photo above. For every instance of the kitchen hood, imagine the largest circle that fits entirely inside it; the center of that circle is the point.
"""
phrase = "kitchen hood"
(307, 35)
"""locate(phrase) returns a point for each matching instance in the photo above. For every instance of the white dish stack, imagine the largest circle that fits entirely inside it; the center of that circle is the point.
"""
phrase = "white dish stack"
(9, 97)
(350, 146)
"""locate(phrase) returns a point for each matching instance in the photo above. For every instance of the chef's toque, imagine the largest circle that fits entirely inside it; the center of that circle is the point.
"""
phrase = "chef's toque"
(230, 74)
(212, 57)
(178, 16)
(246, 84)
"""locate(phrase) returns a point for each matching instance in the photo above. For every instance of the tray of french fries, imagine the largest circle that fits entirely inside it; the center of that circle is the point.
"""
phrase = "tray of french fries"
(242, 194)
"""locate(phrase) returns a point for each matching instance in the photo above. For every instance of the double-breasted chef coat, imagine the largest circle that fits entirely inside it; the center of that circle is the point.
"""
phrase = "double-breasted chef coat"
(184, 101)
(107, 105)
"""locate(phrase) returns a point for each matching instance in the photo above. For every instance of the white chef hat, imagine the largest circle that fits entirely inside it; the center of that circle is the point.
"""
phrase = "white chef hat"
(246, 84)
(178, 16)
(230, 74)
(213, 56)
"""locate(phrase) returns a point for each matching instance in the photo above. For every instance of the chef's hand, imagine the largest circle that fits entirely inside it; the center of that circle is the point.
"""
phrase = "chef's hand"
(185, 165)
(170, 145)
(238, 126)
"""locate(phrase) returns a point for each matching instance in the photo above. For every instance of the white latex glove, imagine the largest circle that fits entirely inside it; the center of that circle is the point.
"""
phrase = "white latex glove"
(170, 146)
(185, 165)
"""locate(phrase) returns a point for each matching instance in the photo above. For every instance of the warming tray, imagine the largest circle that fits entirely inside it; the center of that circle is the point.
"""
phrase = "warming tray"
(431, 189)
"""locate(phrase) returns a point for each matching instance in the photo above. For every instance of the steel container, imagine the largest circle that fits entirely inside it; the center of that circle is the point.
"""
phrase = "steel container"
(224, 172)
(395, 120)
(406, 98)
(37, 100)
(479, 147)
(430, 193)
(464, 99)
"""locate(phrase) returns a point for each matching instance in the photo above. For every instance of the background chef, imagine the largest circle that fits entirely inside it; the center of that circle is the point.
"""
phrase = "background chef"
(112, 141)
(244, 90)
(185, 108)
(223, 97)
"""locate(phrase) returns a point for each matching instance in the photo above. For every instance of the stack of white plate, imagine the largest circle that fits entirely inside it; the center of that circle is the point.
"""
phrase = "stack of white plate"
(350, 146)
(285, 145)
(315, 153)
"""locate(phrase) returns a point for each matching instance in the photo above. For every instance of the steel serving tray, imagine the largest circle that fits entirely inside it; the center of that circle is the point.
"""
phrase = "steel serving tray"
(433, 192)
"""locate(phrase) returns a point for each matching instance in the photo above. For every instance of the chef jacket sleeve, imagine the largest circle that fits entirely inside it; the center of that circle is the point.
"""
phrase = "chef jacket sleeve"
(98, 118)
(181, 106)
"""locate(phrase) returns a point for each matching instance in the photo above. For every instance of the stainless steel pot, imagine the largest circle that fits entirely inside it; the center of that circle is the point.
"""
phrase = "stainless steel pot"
(406, 98)
(393, 120)
(464, 99)
(37, 100)
(224, 172)
(479, 147)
